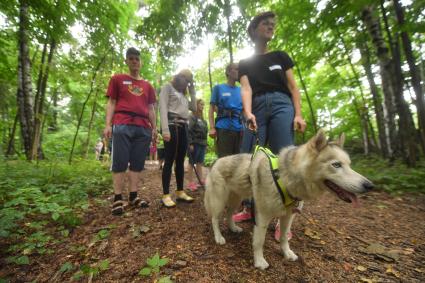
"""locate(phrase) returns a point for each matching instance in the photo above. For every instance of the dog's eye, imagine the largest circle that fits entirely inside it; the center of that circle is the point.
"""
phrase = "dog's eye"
(337, 164)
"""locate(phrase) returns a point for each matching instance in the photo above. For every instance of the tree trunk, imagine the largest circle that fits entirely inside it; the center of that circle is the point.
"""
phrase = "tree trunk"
(24, 92)
(376, 98)
(414, 72)
(39, 103)
(53, 126)
(227, 12)
(80, 119)
(393, 91)
(11, 143)
(369, 132)
(39, 109)
(93, 111)
(209, 69)
(313, 117)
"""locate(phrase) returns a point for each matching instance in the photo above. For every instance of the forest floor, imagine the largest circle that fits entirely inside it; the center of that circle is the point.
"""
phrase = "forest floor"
(381, 241)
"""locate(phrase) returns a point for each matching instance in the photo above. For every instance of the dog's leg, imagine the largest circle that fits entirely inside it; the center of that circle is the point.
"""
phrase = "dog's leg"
(219, 239)
(285, 227)
(260, 229)
(233, 203)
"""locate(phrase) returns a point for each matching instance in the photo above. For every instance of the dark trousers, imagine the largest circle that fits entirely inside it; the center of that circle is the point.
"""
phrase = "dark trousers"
(175, 151)
(228, 142)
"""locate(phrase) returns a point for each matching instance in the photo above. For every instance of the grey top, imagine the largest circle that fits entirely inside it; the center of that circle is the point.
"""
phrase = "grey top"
(175, 102)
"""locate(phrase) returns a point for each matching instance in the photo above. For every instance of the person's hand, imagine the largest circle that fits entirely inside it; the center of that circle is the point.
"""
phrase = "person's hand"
(191, 148)
(107, 132)
(213, 132)
(299, 124)
(166, 137)
(251, 121)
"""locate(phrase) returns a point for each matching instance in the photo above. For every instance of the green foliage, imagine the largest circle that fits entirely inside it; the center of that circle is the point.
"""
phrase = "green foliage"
(153, 267)
(393, 177)
(34, 197)
(94, 269)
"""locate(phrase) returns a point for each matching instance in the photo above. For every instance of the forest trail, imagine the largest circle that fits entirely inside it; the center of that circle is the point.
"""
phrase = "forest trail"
(382, 241)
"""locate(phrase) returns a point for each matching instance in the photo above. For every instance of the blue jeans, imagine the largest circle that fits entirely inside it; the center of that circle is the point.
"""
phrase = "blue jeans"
(274, 113)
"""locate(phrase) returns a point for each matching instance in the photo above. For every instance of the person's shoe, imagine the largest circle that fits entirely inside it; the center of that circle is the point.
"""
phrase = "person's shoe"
(167, 201)
(192, 186)
(277, 232)
(242, 216)
(118, 208)
(182, 196)
(139, 203)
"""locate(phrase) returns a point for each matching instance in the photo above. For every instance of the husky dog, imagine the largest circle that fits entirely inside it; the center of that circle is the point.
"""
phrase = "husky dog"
(306, 172)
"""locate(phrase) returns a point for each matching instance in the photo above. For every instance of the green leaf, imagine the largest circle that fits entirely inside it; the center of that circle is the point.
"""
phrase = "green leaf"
(153, 261)
(104, 265)
(67, 266)
(146, 271)
(103, 234)
(163, 261)
(55, 216)
(165, 279)
(22, 260)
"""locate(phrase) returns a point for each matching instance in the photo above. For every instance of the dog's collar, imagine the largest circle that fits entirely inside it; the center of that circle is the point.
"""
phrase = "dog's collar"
(287, 199)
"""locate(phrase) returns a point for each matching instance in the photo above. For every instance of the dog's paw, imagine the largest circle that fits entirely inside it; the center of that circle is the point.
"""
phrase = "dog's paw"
(220, 240)
(290, 255)
(236, 229)
(261, 263)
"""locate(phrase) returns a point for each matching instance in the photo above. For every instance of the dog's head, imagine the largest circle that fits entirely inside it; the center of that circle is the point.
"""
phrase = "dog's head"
(327, 165)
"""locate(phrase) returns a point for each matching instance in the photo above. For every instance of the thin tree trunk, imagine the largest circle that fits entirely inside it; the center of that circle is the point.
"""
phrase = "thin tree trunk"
(80, 119)
(40, 78)
(376, 98)
(39, 110)
(227, 12)
(209, 69)
(93, 111)
(24, 92)
(11, 143)
(310, 106)
(414, 72)
(53, 126)
(369, 133)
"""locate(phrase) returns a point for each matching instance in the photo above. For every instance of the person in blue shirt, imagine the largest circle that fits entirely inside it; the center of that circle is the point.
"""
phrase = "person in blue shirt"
(226, 101)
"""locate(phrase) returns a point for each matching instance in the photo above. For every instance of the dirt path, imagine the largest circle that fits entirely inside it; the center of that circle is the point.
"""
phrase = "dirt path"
(335, 242)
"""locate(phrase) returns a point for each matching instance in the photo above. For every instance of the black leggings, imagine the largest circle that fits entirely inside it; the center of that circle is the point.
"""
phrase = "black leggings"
(175, 150)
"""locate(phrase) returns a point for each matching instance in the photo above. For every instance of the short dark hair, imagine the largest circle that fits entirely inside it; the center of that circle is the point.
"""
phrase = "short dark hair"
(256, 21)
(229, 67)
(132, 51)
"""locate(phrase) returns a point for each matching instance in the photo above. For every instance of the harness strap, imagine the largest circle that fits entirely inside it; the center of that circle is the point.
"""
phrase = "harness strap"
(274, 166)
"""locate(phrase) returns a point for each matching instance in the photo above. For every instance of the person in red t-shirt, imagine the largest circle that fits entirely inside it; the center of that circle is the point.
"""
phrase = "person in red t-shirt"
(131, 122)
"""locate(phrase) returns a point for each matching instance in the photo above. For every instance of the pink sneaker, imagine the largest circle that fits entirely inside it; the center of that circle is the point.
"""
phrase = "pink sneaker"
(192, 186)
(242, 216)
(277, 233)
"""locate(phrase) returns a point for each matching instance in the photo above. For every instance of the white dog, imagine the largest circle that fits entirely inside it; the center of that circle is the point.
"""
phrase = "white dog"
(305, 172)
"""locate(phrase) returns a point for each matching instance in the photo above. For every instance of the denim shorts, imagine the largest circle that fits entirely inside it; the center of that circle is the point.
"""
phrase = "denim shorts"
(274, 113)
(129, 146)
(198, 154)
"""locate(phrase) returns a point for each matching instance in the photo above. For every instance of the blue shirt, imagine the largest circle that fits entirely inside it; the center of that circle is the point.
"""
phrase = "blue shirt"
(227, 97)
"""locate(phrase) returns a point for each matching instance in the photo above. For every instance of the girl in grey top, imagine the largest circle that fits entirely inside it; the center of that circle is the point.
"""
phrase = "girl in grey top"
(174, 113)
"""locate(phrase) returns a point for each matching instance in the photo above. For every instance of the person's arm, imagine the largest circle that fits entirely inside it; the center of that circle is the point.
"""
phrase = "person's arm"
(192, 93)
(246, 94)
(152, 119)
(163, 111)
(213, 131)
(110, 109)
(299, 123)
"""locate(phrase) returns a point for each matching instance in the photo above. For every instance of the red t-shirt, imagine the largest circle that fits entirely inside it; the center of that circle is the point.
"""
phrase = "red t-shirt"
(133, 96)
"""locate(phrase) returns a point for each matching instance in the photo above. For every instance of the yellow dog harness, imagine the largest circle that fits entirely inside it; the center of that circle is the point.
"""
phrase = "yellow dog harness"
(274, 166)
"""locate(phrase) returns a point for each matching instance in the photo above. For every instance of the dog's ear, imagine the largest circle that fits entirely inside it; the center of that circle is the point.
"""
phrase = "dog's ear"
(341, 140)
(319, 141)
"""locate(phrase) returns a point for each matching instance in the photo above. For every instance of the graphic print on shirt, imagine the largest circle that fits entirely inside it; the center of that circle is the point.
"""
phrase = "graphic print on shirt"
(135, 90)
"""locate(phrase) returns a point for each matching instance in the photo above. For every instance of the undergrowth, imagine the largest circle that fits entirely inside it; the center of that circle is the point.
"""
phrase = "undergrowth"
(41, 203)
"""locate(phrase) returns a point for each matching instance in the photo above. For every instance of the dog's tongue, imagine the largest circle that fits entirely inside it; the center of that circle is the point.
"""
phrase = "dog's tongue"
(354, 201)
